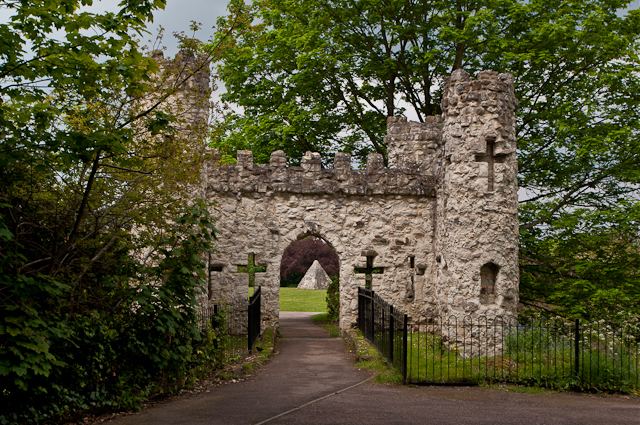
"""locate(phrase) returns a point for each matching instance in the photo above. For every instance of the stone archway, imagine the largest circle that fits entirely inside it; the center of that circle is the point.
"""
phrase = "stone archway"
(417, 231)
(297, 259)
(357, 227)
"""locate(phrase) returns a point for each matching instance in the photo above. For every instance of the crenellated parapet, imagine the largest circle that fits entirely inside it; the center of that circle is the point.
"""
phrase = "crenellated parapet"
(438, 224)
(310, 177)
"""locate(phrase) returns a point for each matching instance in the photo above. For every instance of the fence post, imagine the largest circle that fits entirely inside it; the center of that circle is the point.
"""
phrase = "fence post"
(577, 349)
(259, 322)
(405, 338)
(373, 317)
(359, 321)
(383, 334)
(214, 317)
(392, 323)
(254, 318)
(249, 326)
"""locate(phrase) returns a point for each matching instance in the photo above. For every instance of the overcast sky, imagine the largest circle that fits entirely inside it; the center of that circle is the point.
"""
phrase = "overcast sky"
(178, 14)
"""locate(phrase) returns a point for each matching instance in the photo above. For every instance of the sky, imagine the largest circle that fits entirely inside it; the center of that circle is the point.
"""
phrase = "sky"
(178, 14)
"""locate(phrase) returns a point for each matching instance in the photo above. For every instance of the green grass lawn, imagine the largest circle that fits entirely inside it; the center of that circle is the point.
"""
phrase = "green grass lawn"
(294, 299)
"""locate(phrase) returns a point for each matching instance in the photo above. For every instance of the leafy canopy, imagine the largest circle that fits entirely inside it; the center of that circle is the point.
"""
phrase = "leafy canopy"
(323, 75)
(101, 241)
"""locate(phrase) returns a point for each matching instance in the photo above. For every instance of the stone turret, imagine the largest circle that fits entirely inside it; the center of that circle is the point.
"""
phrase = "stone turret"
(191, 101)
(414, 145)
(476, 241)
(434, 233)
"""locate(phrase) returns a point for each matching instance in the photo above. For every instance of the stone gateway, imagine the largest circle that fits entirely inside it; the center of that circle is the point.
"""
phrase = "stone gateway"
(435, 233)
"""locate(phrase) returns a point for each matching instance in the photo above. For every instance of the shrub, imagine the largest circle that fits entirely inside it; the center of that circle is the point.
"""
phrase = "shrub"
(333, 299)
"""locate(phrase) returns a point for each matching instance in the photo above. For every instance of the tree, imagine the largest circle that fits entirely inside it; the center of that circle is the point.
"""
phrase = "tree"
(324, 75)
(299, 256)
(102, 240)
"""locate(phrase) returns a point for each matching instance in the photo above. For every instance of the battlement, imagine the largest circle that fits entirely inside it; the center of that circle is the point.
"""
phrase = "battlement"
(463, 84)
(311, 178)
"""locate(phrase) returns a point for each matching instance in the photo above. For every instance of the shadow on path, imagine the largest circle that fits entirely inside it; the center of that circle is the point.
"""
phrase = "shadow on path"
(299, 385)
(309, 365)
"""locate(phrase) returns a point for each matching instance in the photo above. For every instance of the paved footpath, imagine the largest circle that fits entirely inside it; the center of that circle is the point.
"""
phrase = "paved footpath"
(312, 380)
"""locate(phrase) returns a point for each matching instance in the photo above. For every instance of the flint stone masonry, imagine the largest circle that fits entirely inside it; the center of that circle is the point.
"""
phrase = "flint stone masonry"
(311, 178)
(433, 222)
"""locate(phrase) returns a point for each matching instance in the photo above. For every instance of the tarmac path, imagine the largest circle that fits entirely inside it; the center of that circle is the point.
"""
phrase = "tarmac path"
(312, 380)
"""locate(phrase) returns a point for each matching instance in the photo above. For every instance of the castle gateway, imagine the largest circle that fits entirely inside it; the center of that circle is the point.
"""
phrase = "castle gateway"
(434, 233)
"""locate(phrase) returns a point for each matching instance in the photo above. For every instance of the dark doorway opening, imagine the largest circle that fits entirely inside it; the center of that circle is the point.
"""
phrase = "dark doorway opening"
(301, 254)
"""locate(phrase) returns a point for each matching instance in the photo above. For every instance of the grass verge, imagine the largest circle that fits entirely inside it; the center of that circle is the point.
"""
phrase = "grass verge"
(530, 358)
(264, 349)
(331, 326)
(368, 358)
(294, 299)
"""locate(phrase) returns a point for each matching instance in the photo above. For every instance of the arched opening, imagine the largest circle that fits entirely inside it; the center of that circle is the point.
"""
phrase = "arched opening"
(488, 276)
(309, 270)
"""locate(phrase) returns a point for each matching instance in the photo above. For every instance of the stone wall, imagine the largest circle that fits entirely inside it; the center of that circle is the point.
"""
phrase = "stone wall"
(311, 178)
(380, 212)
(414, 145)
(441, 220)
(477, 223)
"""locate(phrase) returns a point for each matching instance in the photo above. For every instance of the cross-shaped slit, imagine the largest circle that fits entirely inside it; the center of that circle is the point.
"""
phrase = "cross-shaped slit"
(251, 268)
(491, 159)
(369, 271)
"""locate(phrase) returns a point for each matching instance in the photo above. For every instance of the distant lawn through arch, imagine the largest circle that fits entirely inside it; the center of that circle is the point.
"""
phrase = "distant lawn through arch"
(294, 299)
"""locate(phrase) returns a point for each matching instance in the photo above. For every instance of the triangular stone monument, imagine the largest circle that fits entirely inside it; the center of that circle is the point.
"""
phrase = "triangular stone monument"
(315, 278)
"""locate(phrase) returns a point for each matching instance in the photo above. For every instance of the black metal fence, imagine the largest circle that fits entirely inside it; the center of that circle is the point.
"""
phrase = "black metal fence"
(237, 325)
(385, 327)
(552, 353)
(253, 326)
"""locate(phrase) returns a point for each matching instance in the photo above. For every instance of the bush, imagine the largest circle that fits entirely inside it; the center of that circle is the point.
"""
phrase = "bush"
(110, 342)
(333, 298)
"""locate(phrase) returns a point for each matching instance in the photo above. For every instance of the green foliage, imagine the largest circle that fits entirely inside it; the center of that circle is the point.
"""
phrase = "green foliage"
(324, 75)
(101, 241)
(137, 341)
(333, 298)
(585, 264)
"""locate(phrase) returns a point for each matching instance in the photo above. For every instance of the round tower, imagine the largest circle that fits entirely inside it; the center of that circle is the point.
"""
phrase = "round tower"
(476, 240)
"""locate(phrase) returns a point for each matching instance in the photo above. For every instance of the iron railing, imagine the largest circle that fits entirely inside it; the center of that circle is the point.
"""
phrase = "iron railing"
(237, 325)
(385, 327)
(228, 321)
(553, 353)
(253, 325)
